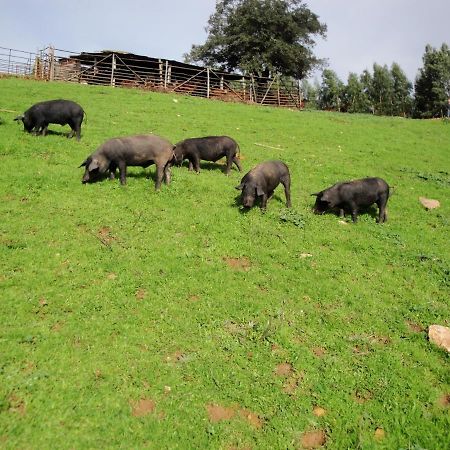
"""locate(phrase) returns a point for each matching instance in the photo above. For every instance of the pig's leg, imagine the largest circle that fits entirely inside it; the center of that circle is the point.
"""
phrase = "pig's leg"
(112, 171)
(196, 163)
(44, 129)
(354, 210)
(191, 166)
(159, 176)
(237, 163)
(123, 172)
(229, 162)
(382, 216)
(341, 213)
(264, 201)
(286, 182)
(167, 174)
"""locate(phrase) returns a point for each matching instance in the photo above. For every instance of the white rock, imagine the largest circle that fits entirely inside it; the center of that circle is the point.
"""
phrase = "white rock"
(429, 203)
(440, 336)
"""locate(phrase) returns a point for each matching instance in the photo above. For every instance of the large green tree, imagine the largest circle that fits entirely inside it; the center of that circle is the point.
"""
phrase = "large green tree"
(382, 90)
(262, 37)
(432, 86)
(401, 92)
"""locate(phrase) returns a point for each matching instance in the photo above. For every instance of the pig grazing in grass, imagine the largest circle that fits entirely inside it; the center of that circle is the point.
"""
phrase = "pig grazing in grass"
(262, 180)
(210, 148)
(351, 196)
(141, 150)
(62, 112)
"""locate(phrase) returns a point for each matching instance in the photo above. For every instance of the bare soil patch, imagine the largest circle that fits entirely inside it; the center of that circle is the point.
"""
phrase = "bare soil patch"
(217, 413)
(313, 439)
(414, 327)
(363, 396)
(319, 351)
(318, 411)
(444, 401)
(140, 294)
(252, 418)
(242, 263)
(17, 405)
(284, 370)
(175, 357)
(142, 407)
(379, 434)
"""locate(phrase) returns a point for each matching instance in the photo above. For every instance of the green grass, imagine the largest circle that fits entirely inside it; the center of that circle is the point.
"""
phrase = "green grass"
(111, 295)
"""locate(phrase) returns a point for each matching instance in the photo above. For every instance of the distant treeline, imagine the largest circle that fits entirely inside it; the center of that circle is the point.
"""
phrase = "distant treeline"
(387, 91)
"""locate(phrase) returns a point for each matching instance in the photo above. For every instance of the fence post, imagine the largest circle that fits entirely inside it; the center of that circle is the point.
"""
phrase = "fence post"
(51, 54)
(166, 74)
(207, 81)
(278, 90)
(113, 66)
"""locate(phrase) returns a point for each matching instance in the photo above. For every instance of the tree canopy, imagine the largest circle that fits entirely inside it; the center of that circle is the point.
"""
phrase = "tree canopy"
(262, 37)
(432, 84)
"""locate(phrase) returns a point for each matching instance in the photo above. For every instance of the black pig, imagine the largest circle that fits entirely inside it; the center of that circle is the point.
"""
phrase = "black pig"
(210, 148)
(62, 112)
(262, 180)
(353, 195)
(142, 150)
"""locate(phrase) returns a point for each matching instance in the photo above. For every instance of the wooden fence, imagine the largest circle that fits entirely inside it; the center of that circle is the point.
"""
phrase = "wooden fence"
(122, 69)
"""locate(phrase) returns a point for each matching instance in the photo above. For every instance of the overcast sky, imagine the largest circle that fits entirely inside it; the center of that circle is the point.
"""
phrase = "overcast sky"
(360, 32)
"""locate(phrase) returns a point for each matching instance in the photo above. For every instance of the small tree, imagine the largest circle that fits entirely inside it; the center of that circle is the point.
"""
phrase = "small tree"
(355, 95)
(331, 91)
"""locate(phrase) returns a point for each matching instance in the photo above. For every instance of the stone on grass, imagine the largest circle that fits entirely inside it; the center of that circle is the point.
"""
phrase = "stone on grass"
(440, 336)
(429, 203)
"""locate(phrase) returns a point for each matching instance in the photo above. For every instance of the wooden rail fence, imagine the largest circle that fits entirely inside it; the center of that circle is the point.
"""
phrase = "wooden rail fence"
(114, 68)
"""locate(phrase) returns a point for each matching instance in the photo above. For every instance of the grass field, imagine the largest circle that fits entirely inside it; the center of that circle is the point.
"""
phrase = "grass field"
(139, 319)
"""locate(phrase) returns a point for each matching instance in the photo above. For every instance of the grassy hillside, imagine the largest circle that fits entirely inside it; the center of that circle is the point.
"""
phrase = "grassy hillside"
(139, 319)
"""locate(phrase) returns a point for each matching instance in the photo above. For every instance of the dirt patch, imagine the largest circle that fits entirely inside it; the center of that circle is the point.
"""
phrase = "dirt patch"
(313, 439)
(252, 418)
(362, 397)
(175, 357)
(140, 294)
(292, 383)
(194, 298)
(284, 370)
(105, 236)
(379, 434)
(414, 327)
(444, 401)
(319, 352)
(318, 411)
(217, 413)
(361, 350)
(17, 405)
(111, 276)
(242, 263)
(142, 407)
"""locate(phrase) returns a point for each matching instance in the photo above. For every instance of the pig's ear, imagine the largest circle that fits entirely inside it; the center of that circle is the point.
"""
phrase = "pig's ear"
(83, 163)
(316, 194)
(240, 187)
(19, 117)
(93, 165)
(259, 191)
